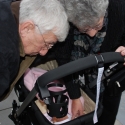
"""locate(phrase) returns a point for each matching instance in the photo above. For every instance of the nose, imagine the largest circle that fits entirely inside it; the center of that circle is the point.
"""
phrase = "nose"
(92, 32)
(43, 52)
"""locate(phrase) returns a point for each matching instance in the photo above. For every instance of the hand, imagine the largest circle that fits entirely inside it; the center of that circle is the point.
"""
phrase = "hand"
(77, 108)
(121, 49)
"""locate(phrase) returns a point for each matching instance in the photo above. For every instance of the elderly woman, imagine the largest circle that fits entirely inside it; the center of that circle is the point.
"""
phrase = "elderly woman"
(96, 26)
(29, 28)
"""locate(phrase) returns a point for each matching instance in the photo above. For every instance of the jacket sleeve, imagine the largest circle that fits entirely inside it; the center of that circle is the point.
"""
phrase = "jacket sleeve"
(9, 65)
(4, 74)
(62, 55)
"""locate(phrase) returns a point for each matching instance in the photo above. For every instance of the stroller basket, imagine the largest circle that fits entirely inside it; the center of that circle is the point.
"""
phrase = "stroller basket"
(69, 68)
(86, 119)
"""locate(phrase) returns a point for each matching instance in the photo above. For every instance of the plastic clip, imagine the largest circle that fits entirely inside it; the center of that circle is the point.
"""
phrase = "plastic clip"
(100, 60)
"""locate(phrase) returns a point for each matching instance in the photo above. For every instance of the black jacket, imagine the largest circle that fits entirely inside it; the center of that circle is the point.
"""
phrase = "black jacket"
(9, 48)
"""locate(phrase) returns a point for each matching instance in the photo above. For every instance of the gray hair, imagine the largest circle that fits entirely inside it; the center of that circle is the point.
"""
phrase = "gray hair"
(49, 15)
(85, 12)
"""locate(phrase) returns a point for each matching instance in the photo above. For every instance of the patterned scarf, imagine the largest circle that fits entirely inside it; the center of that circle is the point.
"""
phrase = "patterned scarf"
(84, 46)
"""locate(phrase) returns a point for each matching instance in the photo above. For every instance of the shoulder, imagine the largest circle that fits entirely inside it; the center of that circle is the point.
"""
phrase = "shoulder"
(9, 37)
(116, 12)
(118, 5)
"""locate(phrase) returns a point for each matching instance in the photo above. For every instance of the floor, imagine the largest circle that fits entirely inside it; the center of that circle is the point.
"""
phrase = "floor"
(5, 109)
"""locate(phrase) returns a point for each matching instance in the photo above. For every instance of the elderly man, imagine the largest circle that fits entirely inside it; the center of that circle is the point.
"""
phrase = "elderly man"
(27, 28)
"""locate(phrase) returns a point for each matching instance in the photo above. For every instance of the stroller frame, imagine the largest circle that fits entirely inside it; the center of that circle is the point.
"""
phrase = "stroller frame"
(42, 81)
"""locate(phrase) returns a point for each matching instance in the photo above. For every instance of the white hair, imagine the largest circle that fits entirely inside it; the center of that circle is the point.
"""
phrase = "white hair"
(49, 15)
(85, 12)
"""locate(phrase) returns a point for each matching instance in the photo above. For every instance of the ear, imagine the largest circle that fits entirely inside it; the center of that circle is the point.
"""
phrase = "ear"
(26, 28)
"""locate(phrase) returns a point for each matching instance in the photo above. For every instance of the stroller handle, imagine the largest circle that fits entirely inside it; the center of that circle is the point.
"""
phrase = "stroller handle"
(74, 66)
(67, 69)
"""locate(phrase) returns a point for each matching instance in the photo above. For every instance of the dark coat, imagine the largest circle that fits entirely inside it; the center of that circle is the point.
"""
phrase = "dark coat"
(13, 61)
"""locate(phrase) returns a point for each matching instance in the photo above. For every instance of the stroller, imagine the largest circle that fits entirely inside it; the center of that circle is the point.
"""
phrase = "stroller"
(29, 113)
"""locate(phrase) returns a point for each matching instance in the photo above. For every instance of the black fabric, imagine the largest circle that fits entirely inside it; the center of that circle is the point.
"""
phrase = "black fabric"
(6, 1)
(9, 48)
(116, 26)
